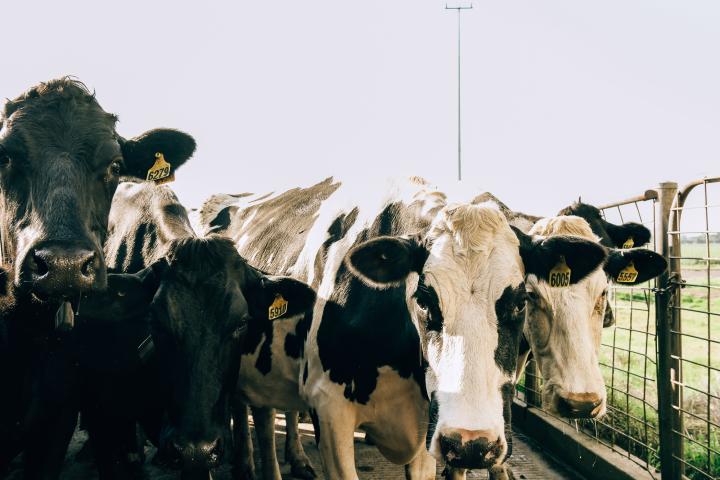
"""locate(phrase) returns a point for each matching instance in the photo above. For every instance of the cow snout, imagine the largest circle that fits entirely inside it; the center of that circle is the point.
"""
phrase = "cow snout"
(471, 448)
(579, 405)
(63, 269)
(192, 455)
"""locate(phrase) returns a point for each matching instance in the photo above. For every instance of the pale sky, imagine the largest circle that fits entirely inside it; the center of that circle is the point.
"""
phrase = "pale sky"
(561, 97)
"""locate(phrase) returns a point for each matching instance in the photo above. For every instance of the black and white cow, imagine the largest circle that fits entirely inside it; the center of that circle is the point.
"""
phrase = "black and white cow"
(60, 161)
(182, 360)
(414, 296)
(564, 325)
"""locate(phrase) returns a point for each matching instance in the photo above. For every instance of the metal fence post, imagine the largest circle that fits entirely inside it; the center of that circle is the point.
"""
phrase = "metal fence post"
(669, 417)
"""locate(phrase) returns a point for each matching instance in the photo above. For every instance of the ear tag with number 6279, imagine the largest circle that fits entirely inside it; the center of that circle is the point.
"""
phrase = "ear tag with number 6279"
(629, 243)
(628, 274)
(278, 308)
(560, 274)
(161, 171)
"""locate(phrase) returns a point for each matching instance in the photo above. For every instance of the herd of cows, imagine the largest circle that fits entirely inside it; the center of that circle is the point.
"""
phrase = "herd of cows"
(397, 312)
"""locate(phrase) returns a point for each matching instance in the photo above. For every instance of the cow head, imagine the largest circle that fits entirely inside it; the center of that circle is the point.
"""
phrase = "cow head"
(626, 235)
(60, 161)
(564, 323)
(466, 293)
(199, 320)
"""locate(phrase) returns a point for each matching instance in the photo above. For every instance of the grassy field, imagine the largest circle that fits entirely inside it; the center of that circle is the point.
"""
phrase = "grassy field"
(628, 359)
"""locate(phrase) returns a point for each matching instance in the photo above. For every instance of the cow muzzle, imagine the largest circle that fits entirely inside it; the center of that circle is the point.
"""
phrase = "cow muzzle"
(579, 405)
(62, 269)
(471, 448)
(195, 456)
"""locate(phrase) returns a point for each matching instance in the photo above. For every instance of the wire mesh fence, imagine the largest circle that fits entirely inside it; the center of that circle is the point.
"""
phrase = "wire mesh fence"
(661, 359)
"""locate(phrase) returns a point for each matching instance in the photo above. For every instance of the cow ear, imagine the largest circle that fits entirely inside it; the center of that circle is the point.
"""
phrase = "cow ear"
(541, 255)
(384, 261)
(139, 152)
(151, 276)
(637, 265)
(279, 298)
(628, 235)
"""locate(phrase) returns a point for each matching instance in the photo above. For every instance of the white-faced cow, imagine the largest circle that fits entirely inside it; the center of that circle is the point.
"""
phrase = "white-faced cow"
(206, 295)
(412, 292)
(60, 161)
(564, 323)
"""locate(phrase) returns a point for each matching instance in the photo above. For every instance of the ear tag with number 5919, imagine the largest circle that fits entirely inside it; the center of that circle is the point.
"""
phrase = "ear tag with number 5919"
(278, 308)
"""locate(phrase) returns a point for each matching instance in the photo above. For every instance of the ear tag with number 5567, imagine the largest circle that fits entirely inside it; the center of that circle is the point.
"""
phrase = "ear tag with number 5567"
(629, 243)
(161, 171)
(628, 274)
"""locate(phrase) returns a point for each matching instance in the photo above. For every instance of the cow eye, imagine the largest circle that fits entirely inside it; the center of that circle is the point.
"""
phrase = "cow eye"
(533, 296)
(116, 167)
(520, 306)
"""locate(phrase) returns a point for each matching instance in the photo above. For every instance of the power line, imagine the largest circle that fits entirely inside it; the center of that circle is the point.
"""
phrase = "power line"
(459, 9)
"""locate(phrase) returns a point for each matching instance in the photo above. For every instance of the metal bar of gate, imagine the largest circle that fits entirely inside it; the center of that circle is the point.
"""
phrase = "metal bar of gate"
(668, 417)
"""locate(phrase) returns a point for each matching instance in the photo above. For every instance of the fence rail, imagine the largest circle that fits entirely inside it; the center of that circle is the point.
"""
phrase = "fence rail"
(661, 360)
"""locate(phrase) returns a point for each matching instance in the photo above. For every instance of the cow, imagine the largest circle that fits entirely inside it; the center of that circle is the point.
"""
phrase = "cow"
(417, 298)
(182, 360)
(563, 326)
(61, 159)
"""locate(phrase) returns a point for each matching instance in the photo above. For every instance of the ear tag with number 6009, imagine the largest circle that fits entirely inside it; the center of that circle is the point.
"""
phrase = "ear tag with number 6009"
(560, 274)
(629, 243)
(161, 171)
(278, 308)
(628, 274)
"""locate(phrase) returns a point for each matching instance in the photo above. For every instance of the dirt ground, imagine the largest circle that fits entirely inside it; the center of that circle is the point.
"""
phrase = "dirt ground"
(528, 461)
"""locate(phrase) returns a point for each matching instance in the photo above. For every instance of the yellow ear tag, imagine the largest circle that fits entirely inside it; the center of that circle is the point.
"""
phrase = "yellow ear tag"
(560, 274)
(161, 171)
(628, 274)
(278, 308)
(629, 243)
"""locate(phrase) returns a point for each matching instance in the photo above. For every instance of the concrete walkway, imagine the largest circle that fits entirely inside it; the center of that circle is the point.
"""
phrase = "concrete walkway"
(528, 461)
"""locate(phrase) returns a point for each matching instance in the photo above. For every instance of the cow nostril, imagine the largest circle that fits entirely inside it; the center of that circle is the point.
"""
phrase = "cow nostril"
(39, 265)
(88, 266)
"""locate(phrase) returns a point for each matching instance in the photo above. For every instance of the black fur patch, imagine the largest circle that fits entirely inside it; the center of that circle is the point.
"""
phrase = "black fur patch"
(509, 309)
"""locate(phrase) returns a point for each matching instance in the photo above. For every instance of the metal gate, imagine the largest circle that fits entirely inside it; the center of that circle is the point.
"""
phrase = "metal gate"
(661, 361)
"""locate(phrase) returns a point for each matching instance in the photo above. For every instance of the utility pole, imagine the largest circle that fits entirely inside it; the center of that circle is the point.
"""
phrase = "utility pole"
(459, 9)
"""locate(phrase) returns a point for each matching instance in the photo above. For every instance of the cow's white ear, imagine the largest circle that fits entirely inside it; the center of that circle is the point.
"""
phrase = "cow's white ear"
(633, 266)
(386, 261)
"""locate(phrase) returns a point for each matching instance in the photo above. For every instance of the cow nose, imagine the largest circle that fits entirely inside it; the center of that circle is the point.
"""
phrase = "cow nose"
(63, 269)
(203, 454)
(471, 448)
(210, 453)
(579, 405)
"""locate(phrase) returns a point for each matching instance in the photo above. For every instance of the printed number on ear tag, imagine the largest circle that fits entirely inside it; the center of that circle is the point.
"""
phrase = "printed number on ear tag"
(628, 274)
(161, 171)
(629, 243)
(560, 274)
(278, 308)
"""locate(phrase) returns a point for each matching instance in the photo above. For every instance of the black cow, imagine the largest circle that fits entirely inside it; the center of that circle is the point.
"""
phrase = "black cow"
(174, 370)
(60, 161)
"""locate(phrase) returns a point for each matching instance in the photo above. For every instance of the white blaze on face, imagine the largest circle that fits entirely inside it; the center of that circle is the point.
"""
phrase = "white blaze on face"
(564, 325)
(473, 258)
